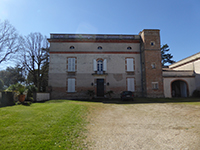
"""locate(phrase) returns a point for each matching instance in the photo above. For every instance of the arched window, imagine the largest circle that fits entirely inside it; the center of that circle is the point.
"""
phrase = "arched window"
(72, 47)
(129, 47)
(99, 67)
(99, 47)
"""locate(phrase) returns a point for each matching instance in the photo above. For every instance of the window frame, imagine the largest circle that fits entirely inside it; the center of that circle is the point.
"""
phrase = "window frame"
(128, 82)
(71, 88)
(127, 67)
(72, 67)
(155, 85)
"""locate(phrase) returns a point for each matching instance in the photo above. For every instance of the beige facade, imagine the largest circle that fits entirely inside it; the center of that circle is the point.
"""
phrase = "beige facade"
(182, 77)
(103, 63)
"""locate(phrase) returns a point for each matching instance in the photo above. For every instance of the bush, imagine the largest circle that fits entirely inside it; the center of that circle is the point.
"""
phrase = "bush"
(31, 89)
(1, 84)
(196, 93)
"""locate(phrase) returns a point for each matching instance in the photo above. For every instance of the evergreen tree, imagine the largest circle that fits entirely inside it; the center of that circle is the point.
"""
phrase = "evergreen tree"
(166, 57)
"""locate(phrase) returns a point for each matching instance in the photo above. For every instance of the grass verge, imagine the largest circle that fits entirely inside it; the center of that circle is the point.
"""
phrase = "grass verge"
(50, 125)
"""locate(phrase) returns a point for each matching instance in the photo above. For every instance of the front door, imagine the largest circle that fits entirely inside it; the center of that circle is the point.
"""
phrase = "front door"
(100, 87)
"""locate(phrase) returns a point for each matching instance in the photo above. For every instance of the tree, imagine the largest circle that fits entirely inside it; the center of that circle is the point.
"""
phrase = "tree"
(36, 57)
(1, 84)
(9, 41)
(12, 75)
(166, 57)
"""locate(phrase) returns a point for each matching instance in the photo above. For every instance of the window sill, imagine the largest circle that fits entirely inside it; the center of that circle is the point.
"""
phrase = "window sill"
(96, 74)
(130, 72)
(71, 92)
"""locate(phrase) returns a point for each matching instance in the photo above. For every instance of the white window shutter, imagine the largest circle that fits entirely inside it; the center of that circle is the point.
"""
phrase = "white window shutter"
(130, 65)
(95, 65)
(71, 85)
(104, 65)
(131, 84)
(69, 64)
(73, 64)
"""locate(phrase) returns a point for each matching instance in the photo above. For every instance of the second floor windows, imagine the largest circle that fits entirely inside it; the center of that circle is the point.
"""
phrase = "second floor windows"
(71, 64)
(130, 64)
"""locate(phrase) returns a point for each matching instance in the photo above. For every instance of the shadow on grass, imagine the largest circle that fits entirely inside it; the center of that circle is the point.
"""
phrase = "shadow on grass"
(143, 100)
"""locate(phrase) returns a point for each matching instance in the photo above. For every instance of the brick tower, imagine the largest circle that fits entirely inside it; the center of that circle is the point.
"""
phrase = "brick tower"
(151, 63)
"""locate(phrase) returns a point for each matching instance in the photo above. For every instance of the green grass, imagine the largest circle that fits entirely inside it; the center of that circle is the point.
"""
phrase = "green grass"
(50, 125)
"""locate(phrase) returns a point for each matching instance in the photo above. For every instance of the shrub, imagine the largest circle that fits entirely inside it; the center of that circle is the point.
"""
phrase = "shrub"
(196, 93)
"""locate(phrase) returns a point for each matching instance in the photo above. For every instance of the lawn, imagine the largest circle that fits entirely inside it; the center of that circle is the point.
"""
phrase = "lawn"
(56, 124)
(50, 125)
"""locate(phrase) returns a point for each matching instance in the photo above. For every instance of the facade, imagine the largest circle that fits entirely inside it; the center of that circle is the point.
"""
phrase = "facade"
(182, 77)
(103, 63)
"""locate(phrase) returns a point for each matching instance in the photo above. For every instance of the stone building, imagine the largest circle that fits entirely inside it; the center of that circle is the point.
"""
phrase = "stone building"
(105, 62)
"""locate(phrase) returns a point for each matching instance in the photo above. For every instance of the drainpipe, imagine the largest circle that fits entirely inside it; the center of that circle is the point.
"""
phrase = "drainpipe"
(141, 67)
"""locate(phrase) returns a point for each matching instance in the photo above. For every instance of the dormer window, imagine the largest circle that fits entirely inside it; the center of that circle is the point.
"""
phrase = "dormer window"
(71, 47)
(99, 47)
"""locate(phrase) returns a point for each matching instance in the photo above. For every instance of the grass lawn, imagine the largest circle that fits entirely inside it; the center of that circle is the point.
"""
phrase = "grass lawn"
(51, 125)
(58, 124)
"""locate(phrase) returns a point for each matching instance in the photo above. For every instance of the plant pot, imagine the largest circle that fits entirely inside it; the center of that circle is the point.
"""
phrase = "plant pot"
(21, 98)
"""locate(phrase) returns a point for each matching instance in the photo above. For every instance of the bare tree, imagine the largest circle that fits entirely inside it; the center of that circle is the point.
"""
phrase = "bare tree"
(35, 56)
(9, 41)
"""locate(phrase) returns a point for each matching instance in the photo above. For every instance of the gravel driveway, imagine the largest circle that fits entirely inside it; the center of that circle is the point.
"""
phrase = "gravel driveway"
(144, 126)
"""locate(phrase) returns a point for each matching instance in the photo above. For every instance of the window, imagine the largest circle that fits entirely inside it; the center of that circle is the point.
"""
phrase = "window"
(71, 85)
(99, 47)
(155, 85)
(100, 66)
(129, 64)
(71, 47)
(131, 84)
(153, 65)
(71, 64)
(152, 43)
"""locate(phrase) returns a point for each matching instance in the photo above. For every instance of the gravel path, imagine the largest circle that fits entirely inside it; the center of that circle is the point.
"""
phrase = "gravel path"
(144, 126)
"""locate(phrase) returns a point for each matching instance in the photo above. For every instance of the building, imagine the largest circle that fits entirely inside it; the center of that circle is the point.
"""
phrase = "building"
(182, 77)
(104, 62)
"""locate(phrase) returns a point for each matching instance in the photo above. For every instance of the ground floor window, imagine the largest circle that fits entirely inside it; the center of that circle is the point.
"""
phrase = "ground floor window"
(155, 85)
(71, 85)
(130, 84)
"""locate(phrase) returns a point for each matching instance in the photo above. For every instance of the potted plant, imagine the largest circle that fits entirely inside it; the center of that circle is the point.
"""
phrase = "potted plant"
(21, 96)
(109, 93)
(90, 93)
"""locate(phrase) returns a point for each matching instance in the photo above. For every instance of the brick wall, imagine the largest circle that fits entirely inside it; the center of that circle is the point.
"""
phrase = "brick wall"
(151, 60)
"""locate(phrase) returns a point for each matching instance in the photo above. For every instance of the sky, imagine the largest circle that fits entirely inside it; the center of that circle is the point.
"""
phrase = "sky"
(178, 20)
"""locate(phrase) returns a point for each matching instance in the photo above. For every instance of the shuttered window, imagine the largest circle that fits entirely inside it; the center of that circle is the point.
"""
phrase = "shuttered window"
(131, 84)
(71, 64)
(100, 65)
(71, 85)
(129, 64)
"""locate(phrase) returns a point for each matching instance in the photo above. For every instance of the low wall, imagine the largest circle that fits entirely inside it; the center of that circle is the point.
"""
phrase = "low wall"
(6, 99)
(42, 97)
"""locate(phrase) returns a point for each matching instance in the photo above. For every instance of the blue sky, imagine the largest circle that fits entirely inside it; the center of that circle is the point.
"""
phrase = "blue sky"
(178, 20)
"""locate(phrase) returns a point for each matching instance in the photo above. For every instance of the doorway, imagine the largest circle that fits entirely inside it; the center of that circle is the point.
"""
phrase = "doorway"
(100, 87)
(179, 89)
